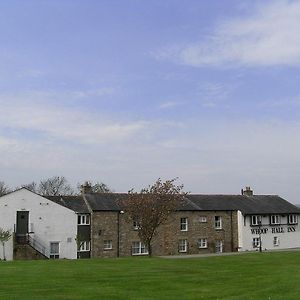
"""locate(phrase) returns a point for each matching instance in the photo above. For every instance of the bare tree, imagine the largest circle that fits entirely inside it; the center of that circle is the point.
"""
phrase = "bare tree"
(152, 206)
(32, 186)
(5, 235)
(4, 189)
(98, 187)
(56, 185)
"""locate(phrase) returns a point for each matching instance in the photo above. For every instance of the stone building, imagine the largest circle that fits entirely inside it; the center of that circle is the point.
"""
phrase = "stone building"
(96, 225)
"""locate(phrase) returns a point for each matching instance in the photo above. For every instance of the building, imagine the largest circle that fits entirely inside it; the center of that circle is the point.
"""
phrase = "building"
(42, 228)
(95, 225)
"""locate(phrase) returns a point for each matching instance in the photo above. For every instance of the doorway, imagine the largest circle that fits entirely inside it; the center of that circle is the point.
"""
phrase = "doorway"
(22, 227)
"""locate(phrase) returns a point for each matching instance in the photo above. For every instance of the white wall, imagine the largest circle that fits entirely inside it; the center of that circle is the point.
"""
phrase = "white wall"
(287, 237)
(240, 220)
(49, 221)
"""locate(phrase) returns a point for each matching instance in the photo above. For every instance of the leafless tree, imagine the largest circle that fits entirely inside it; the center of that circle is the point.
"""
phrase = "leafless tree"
(56, 185)
(4, 189)
(5, 235)
(152, 206)
(32, 186)
(98, 187)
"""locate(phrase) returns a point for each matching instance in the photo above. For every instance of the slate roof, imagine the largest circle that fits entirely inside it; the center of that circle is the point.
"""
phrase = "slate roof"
(75, 203)
(256, 204)
(105, 201)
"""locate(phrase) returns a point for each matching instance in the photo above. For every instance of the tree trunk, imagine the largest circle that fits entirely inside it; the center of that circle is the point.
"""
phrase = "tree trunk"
(3, 245)
(149, 246)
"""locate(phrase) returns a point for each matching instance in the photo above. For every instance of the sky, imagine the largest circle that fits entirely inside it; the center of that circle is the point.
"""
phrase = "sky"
(125, 92)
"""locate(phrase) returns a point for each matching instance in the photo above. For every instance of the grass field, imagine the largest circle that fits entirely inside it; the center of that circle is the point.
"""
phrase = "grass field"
(247, 276)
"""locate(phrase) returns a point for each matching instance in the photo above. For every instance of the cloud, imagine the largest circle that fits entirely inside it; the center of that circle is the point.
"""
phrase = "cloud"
(170, 104)
(269, 36)
(34, 112)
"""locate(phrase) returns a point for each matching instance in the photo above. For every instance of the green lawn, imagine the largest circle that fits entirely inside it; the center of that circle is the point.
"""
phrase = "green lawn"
(247, 276)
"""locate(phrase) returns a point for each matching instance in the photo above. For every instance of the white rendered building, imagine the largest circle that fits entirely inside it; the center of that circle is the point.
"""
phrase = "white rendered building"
(43, 225)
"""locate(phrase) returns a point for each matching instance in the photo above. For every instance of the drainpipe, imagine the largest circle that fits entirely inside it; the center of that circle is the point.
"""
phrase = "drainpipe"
(119, 235)
(86, 189)
(231, 231)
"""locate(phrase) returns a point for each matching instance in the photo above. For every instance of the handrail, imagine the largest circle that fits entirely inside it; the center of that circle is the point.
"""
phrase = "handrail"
(37, 245)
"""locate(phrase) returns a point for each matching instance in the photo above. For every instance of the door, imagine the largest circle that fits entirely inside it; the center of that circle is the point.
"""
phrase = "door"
(22, 226)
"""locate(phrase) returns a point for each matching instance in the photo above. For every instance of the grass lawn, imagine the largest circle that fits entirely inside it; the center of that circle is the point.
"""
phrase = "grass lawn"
(247, 276)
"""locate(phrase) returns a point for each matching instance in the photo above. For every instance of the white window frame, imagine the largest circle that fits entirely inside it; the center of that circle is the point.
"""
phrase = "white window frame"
(136, 224)
(54, 255)
(202, 243)
(219, 246)
(83, 219)
(218, 222)
(84, 246)
(203, 219)
(255, 220)
(276, 241)
(107, 244)
(256, 242)
(182, 246)
(184, 224)
(292, 219)
(275, 219)
(139, 248)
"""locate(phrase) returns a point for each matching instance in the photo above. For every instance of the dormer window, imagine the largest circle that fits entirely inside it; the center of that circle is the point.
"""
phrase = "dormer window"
(83, 219)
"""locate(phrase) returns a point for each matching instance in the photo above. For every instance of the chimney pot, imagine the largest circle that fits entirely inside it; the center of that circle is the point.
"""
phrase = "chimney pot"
(247, 191)
(86, 188)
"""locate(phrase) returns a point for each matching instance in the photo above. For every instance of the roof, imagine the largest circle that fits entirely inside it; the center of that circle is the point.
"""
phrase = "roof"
(75, 203)
(105, 201)
(256, 204)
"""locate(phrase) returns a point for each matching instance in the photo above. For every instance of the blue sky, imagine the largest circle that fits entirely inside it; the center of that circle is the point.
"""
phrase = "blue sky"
(125, 92)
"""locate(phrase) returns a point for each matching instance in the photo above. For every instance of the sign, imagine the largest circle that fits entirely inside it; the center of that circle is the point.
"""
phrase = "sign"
(273, 230)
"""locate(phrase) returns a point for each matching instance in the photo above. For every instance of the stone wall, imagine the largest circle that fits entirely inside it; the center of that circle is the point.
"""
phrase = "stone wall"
(119, 229)
(104, 227)
(26, 252)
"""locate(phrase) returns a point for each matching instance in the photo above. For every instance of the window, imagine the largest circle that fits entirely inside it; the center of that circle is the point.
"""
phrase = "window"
(84, 246)
(107, 244)
(218, 222)
(182, 246)
(292, 219)
(202, 243)
(219, 247)
(183, 224)
(136, 224)
(138, 248)
(83, 220)
(255, 220)
(256, 242)
(274, 219)
(202, 219)
(54, 250)
(276, 241)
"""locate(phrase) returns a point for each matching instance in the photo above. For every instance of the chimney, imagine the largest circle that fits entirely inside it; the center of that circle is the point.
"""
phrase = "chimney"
(247, 191)
(86, 188)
